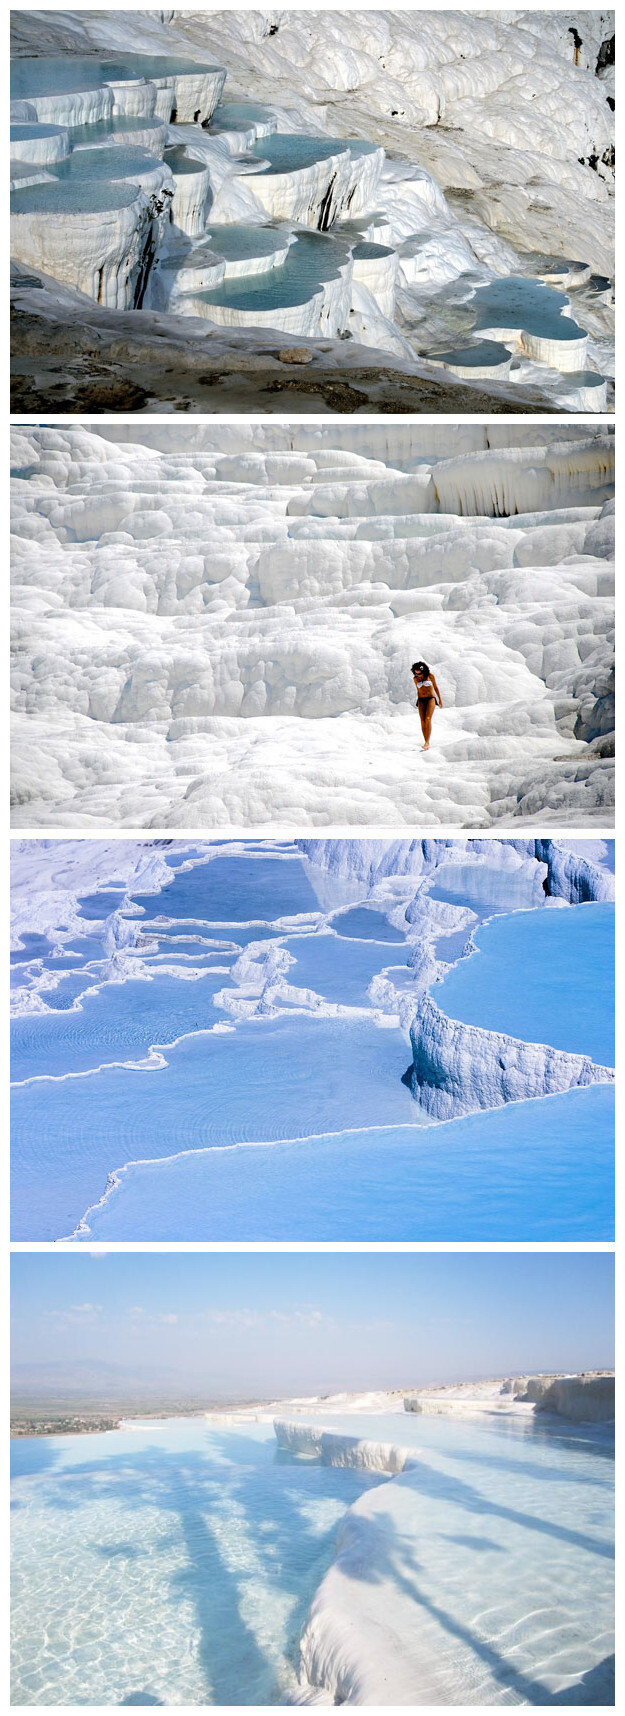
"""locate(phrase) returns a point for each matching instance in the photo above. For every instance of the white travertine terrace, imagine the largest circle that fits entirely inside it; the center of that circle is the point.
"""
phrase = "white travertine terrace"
(219, 629)
(44, 143)
(191, 192)
(460, 1069)
(421, 265)
(388, 1623)
(127, 131)
(108, 222)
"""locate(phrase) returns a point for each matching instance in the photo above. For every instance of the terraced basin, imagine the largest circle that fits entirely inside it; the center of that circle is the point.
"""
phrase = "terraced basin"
(308, 293)
(129, 130)
(249, 250)
(514, 308)
(484, 358)
(39, 143)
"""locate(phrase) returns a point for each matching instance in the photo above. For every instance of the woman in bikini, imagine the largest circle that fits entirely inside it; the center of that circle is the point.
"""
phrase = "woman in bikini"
(428, 695)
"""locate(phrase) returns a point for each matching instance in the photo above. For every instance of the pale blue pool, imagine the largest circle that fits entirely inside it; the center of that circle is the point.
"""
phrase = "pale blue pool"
(545, 976)
(56, 76)
(289, 152)
(239, 889)
(118, 1023)
(174, 1562)
(340, 973)
(258, 1082)
(530, 1171)
(365, 924)
(514, 301)
(308, 1085)
(312, 260)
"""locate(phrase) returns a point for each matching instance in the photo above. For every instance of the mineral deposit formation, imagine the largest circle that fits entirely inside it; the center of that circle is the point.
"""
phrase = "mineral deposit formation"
(395, 197)
(214, 626)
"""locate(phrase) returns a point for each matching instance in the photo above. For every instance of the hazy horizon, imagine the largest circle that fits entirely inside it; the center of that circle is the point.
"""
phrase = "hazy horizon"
(258, 1325)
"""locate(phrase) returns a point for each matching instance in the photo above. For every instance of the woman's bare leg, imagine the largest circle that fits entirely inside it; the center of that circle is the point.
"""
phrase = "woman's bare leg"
(426, 721)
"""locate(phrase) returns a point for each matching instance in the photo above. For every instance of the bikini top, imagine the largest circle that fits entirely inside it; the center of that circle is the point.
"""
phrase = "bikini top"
(422, 685)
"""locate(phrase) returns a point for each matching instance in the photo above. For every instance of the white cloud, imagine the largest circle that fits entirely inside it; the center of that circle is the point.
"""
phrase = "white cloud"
(86, 1313)
(306, 1316)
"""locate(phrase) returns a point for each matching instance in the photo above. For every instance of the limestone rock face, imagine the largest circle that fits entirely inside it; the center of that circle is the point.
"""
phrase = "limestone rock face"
(584, 1399)
(533, 1388)
(459, 1069)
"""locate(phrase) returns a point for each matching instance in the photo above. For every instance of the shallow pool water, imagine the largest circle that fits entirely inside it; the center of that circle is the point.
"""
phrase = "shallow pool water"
(55, 76)
(33, 947)
(541, 1170)
(485, 354)
(75, 196)
(340, 973)
(237, 242)
(545, 976)
(365, 924)
(98, 906)
(268, 1079)
(532, 1171)
(230, 115)
(514, 301)
(489, 887)
(170, 1563)
(121, 161)
(119, 1022)
(289, 152)
(174, 1562)
(313, 259)
(491, 1562)
(235, 889)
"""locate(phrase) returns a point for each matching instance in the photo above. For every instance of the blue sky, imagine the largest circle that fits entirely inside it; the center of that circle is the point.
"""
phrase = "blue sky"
(267, 1323)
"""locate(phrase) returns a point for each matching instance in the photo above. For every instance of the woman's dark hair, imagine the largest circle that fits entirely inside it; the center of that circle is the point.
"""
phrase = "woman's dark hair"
(420, 667)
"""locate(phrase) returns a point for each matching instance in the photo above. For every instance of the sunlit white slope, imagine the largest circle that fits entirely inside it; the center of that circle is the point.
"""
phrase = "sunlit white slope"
(208, 638)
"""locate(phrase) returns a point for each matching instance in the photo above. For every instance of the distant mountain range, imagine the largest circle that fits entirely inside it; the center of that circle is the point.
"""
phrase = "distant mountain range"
(95, 1381)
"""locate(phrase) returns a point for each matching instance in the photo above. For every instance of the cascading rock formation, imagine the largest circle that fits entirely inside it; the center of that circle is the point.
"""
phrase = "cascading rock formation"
(326, 178)
(214, 627)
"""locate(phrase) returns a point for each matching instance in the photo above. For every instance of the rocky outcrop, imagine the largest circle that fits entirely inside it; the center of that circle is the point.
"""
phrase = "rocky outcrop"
(459, 1069)
(335, 1449)
(583, 1399)
(571, 876)
(532, 1389)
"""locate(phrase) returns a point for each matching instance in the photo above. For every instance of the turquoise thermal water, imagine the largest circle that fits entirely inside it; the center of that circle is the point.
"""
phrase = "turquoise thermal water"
(229, 115)
(289, 152)
(174, 1562)
(236, 889)
(533, 1170)
(356, 1158)
(76, 196)
(366, 925)
(313, 260)
(120, 161)
(238, 242)
(484, 354)
(169, 1560)
(545, 976)
(515, 301)
(54, 76)
(260, 1081)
